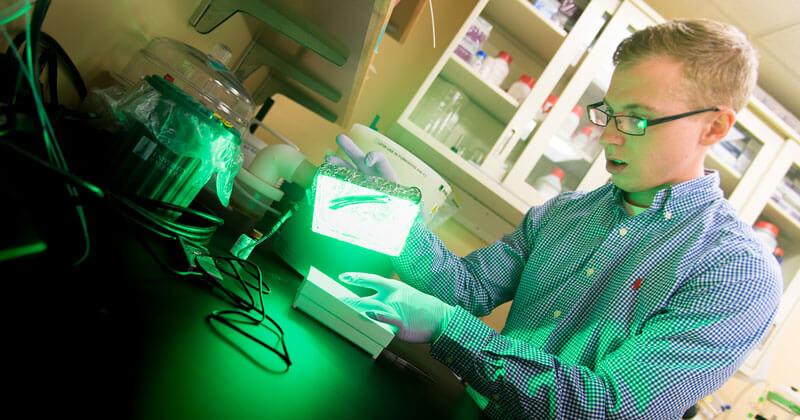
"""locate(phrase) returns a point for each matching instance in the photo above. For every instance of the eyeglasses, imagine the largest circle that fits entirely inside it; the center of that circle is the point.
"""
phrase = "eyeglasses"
(629, 124)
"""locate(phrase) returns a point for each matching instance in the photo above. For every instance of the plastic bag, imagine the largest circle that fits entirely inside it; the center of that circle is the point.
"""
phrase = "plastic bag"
(170, 128)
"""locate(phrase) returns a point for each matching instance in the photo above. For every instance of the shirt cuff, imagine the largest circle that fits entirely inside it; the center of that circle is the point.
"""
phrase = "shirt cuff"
(464, 337)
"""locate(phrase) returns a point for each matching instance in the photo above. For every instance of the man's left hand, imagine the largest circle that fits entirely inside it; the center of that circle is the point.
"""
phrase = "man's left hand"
(417, 317)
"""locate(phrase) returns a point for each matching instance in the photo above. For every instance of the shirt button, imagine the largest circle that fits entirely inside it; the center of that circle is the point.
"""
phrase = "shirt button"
(556, 314)
(668, 215)
(449, 360)
(622, 231)
(589, 271)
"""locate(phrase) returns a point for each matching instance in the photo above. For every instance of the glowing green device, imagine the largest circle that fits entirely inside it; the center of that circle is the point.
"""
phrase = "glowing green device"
(370, 212)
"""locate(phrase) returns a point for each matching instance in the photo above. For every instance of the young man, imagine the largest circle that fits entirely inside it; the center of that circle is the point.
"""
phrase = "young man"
(634, 300)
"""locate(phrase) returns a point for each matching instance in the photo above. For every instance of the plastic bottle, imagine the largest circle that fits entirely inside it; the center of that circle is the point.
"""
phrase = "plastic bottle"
(767, 233)
(549, 103)
(538, 117)
(550, 185)
(498, 70)
(778, 253)
(520, 89)
(478, 61)
(569, 126)
(583, 139)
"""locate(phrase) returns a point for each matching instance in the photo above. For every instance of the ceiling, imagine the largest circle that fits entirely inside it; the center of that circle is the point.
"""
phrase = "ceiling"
(773, 26)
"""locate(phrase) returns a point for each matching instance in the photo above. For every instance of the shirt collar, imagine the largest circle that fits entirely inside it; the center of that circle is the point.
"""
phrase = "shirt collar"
(684, 196)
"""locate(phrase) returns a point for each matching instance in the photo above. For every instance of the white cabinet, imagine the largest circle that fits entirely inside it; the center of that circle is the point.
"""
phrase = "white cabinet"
(492, 120)
(550, 146)
(776, 199)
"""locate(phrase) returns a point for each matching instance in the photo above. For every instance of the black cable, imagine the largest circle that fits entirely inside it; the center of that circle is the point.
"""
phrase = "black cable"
(49, 44)
(222, 316)
(37, 19)
(230, 261)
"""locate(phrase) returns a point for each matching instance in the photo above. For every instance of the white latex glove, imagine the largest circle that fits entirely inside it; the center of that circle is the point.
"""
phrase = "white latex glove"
(371, 164)
(417, 317)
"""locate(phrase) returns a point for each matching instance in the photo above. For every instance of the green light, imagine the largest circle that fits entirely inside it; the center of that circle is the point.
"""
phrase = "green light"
(362, 216)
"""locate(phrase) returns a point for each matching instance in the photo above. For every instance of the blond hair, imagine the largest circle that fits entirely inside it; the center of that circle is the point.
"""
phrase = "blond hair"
(719, 63)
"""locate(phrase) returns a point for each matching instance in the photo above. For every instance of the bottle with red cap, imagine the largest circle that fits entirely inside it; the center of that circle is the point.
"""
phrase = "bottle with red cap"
(520, 89)
(767, 233)
(497, 69)
(550, 185)
(583, 140)
(778, 253)
(571, 124)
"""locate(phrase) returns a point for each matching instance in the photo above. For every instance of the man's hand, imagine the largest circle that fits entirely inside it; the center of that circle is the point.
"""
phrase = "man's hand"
(371, 164)
(417, 317)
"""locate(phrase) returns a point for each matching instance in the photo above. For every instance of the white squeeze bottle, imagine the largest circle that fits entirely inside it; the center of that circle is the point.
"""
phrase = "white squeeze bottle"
(499, 69)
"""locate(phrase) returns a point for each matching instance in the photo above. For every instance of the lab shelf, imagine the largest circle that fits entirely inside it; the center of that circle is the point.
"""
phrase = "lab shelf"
(491, 98)
(788, 225)
(459, 171)
(534, 31)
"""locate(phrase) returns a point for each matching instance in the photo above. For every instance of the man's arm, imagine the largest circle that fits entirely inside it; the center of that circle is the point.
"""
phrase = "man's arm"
(680, 355)
(480, 281)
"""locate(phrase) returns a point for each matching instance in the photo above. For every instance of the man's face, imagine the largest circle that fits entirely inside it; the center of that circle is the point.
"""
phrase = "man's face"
(668, 153)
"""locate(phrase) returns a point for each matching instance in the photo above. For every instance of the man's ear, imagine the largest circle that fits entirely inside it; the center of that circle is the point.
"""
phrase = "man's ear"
(718, 128)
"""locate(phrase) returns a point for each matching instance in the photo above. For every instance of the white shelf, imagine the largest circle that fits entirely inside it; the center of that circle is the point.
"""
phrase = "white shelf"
(560, 150)
(460, 172)
(521, 20)
(491, 98)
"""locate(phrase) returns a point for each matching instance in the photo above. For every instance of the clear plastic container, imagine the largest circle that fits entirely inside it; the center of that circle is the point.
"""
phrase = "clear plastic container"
(196, 73)
(438, 112)
(520, 89)
(550, 185)
(549, 8)
(498, 71)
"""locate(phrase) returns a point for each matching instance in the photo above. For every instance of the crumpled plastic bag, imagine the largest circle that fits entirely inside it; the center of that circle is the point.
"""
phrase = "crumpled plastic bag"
(188, 129)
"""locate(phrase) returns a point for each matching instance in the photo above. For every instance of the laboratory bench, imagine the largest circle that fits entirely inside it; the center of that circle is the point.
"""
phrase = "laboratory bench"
(119, 336)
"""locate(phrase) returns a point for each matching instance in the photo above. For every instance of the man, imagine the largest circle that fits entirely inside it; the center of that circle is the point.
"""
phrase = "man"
(634, 300)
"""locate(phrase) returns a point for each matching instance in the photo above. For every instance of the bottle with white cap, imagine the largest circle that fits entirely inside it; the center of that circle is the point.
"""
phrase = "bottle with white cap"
(520, 89)
(550, 185)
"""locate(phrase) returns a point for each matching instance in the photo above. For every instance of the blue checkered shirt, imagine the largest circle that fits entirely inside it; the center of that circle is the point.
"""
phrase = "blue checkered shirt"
(613, 316)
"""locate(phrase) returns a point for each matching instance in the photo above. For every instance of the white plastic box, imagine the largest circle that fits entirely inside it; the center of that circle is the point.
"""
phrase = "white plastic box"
(319, 296)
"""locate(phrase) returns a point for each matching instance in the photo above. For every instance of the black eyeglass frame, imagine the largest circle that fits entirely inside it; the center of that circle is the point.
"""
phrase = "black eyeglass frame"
(648, 123)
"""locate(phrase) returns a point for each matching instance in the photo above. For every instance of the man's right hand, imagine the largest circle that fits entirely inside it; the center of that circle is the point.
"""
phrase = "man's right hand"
(371, 164)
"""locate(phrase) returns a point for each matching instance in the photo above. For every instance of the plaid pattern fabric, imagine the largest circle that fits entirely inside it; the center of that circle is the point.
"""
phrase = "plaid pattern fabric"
(613, 316)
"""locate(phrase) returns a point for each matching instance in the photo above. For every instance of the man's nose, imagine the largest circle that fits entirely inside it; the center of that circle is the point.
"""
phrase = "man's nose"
(611, 135)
